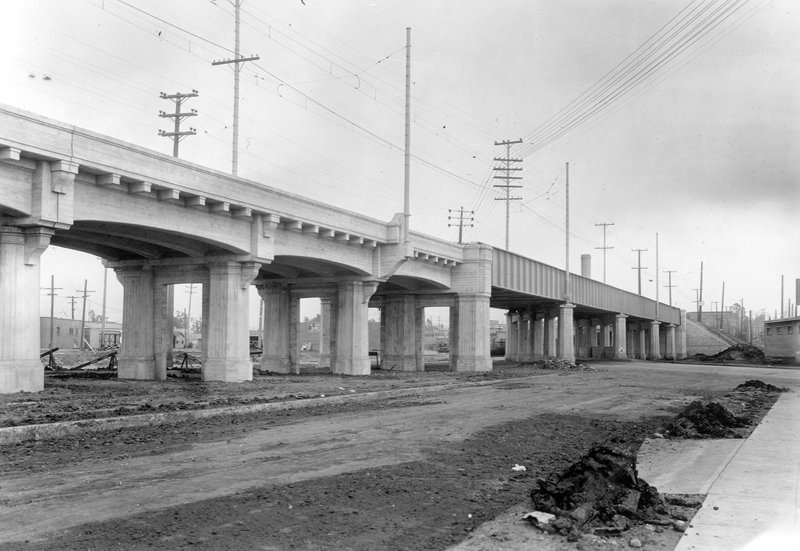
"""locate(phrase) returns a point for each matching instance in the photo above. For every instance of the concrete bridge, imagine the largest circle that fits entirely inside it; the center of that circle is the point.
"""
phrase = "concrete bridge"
(159, 221)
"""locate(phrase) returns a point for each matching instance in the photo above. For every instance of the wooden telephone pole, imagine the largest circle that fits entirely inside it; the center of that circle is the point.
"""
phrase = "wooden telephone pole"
(505, 173)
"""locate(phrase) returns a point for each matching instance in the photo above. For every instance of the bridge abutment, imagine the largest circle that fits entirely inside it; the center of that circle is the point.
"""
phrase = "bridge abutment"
(20, 251)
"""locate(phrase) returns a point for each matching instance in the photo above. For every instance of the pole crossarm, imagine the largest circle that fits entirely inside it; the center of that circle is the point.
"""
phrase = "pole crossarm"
(504, 173)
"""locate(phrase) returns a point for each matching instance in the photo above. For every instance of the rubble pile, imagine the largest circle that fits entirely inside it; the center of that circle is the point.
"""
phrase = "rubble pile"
(711, 420)
(737, 353)
(564, 365)
(761, 386)
(601, 494)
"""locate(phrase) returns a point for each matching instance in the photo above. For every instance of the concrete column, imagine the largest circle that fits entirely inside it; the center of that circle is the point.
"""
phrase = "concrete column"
(275, 356)
(325, 332)
(620, 337)
(526, 337)
(509, 338)
(472, 350)
(670, 342)
(20, 250)
(566, 333)
(580, 338)
(419, 350)
(538, 337)
(162, 334)
(608, 333)
(642, 352)
(204, 329)
(228, 344)
(680, 338)
(400, 342)
(655, 341)
(351, 354)
(550, 336)
(136, 359)
(294, 344)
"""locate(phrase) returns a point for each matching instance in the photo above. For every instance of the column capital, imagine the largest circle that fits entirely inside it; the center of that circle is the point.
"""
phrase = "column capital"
(621, 316)
(655, 323)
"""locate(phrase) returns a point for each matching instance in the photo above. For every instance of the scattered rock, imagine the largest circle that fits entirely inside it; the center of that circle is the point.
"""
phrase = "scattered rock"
(679, 525)
(565, 365)
(518, 468)
(635, 542)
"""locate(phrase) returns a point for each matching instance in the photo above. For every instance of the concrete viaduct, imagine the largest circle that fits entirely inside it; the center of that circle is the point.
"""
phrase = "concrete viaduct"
(159, 221)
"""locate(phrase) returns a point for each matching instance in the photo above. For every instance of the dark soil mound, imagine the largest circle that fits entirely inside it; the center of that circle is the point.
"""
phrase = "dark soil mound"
(710, 420)
(755, 384)
(736, 353)
(601, 492)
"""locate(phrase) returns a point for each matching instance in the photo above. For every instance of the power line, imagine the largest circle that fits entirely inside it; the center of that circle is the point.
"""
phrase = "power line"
(604, 248)
(177, 117)
(505, 171)
(465, 219)
(639, 268)
(669, 284)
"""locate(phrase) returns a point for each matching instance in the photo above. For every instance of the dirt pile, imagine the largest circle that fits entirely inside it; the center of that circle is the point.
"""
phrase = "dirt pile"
(711, 420)
(744, 353)
(601, 494)
(756, 385)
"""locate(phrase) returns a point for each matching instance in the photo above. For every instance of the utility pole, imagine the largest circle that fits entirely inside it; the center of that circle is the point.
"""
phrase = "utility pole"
(781, 295)
(465, 219)
(237, 62)
(639, 267)
(177, 117)
(52, 295)
(700, 300)
(505, 172)
(669, 284)
(566, 233)
(83, 314)
(407, 149)
(604, 248)
(190, 291)
(697, 301)
(72, 301)
(722, 308)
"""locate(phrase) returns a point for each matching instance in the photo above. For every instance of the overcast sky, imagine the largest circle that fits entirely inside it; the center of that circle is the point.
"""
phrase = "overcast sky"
(699, 149)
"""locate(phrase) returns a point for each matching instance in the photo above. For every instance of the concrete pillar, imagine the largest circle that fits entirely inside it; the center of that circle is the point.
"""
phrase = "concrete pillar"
(631, 342)
(509, 354)
(275, 356)
(472, 350)
(670, 342)
(204, 329)
(538, 337)
(620, 337)
(655, 341)
(642, 355)
(228, 344)
(550, 336)
(526, 337)
(400, 352)
(20, 250)
(294, 344)
(680, 338)
(583, 337)
(419, 350)
(163, 316)
(351, 353)
(136, 359)
(608, 333)
(566, 333)
(325, 332)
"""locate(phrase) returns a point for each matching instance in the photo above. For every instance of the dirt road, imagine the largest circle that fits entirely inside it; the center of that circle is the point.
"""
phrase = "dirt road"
(134, 477)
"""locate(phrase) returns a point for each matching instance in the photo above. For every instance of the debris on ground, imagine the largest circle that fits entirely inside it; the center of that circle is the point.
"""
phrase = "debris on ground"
(600, 494)
(755, 384)
(519, 468)
(729, 415)
(746, 353)
(711, 420)
(564, 365)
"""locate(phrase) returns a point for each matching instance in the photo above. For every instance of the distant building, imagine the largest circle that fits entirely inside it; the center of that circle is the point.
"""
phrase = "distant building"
(782, 339)
(66, 333)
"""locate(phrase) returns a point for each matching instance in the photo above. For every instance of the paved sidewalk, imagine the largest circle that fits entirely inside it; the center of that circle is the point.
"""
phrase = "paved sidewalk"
(754, 504)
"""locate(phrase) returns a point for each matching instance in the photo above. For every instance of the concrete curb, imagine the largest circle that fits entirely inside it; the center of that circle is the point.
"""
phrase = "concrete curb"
(43, 431)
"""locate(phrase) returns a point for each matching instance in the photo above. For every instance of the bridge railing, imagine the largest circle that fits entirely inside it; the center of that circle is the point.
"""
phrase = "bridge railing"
(518, 273)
